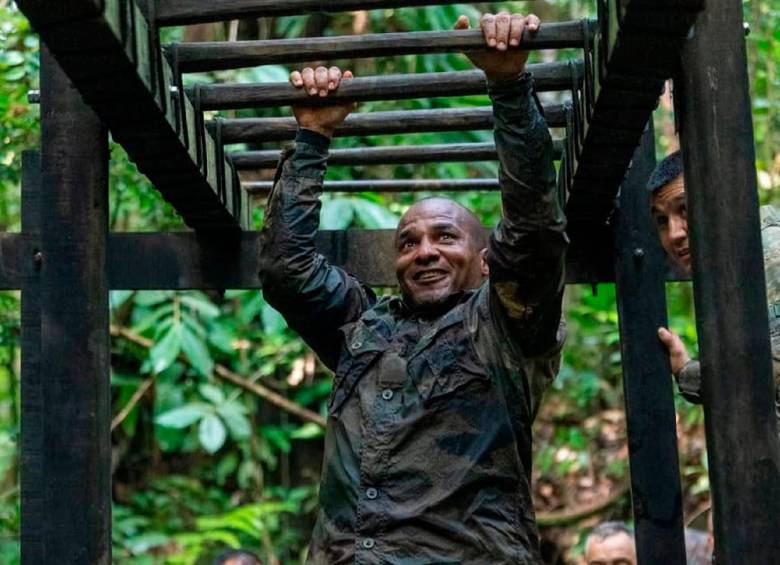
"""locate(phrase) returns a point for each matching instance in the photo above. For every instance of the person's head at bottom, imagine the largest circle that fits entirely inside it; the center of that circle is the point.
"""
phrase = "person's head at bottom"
(610, 543)
(440, 251)
(237, 557)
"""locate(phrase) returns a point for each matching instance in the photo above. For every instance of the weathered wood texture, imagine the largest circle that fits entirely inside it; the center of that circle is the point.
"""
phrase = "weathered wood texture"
(729, 288)
(547, 77)
(214, 56)
(31, 454)
(636, 51)
(75, 491)
(111, 55)
(413, 185)
(257, 130)
(390, 155)
(176, 12)
(650, 415)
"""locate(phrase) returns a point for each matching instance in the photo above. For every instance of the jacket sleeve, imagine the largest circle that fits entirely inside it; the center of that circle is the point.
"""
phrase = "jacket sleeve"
(526, 252)
(315, 298)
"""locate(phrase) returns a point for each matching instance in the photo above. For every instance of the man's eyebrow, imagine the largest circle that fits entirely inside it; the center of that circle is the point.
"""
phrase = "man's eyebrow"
(445, 225)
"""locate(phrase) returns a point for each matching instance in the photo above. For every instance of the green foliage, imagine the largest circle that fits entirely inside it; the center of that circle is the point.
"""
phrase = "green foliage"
(202, 464)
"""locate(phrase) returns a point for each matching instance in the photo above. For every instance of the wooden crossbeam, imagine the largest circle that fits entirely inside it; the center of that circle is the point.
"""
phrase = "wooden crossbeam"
(262, 188)
(547, 77)
(177, 12)
(636, 51)
(258, 130)
(110, 53)
(390, 155)
(214, 56)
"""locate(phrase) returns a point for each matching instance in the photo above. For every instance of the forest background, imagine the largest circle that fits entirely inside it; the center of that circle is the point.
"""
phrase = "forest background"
(201, 464)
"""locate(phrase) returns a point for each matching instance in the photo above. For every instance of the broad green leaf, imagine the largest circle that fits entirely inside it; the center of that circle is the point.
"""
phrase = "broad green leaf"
(273, 322)
(374, 216)
(183, 416)
(233, 414)
(336, 214)
(212, 393)
(309, 430)
(201, 304)
(197, 352)
(165, 351)
(212, 433)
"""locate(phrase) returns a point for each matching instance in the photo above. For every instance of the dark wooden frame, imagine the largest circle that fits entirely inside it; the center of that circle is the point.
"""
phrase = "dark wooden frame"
(66, 412)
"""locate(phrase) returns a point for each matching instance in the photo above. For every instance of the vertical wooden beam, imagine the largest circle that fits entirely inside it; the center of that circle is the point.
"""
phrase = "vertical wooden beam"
(652, 438)
(729, 288)
(31, 458)
(76, 518)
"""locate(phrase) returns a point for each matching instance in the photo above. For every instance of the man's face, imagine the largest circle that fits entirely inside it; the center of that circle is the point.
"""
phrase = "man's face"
(617, 549)
(671, 219)
(437, 253)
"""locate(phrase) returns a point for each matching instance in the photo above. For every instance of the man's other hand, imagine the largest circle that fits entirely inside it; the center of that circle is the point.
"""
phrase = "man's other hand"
(321, 82)
(503, 33)
(678, 354)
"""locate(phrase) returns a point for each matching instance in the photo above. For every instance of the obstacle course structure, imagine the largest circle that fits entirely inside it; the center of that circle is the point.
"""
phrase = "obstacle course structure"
(103, 68)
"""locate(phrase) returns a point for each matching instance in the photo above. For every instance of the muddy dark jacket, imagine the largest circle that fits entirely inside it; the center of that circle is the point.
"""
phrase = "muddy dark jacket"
(428, 443)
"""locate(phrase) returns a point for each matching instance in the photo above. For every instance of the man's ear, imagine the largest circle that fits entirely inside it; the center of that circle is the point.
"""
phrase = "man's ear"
(483, 264)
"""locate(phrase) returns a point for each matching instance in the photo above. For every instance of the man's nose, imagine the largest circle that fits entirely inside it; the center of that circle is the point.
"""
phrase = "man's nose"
(678, 228)
(426, 251)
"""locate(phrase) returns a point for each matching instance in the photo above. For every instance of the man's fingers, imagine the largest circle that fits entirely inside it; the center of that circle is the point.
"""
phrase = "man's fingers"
(347, 75)
(533, 22)
(334, 78)
(502, 31)
(295, 79)
(462, 23)
(516, 27)
(309, 83)
(321, 80)
(665, 336)
(488, 24)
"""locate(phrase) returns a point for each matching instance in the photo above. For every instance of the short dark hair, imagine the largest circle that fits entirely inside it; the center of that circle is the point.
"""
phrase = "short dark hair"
(608, 529)
(666, 171)
(238, 557)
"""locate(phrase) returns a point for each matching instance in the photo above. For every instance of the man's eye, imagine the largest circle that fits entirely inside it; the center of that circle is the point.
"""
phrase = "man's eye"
(447, 236)
(661, 220)
(407, 245)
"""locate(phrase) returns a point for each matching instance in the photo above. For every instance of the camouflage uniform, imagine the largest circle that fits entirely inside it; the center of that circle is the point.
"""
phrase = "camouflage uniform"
(428, 443)
(689, 377)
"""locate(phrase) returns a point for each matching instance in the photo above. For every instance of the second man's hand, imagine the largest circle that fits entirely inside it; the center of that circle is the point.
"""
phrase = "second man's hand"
(321, 82)
(502, 32)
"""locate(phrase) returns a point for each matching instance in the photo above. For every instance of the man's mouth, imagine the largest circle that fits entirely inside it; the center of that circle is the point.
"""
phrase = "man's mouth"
(429, 276)
(684, 254)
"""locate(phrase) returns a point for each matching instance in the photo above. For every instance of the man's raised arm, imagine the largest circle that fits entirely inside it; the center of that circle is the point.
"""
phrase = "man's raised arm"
(526, 253)
(315, 297)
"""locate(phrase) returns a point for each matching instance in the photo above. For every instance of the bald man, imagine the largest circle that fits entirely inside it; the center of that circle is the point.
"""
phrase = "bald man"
(610, 543)
(428, 441)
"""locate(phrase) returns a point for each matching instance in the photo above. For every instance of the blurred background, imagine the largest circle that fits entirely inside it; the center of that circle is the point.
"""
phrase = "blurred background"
(200, 464)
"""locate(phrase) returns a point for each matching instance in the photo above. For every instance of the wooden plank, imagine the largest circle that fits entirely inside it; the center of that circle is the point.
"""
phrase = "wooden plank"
(390, 155)
(221, 55)
(649, 397)
(76, 458)
(547, 77)
(178, 12)
(31, 475)
(413, 185)
(729, 288)
(111, 58)
(635, 52)
(258, 130)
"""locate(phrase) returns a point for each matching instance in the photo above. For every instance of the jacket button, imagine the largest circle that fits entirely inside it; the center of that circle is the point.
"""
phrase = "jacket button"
(371, 493)
(368, 543)
(387, 394)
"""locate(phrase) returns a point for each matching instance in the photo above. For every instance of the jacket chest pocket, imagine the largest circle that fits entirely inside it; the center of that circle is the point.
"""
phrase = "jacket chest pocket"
(452, 369)
(361, 349)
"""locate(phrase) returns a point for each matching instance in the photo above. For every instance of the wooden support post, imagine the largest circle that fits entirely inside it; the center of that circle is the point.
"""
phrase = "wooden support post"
(729, 288)
(652, 436)
(75, 522)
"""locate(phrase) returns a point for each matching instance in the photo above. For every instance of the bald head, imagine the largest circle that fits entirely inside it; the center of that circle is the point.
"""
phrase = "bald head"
(465, 218)
(440, 251)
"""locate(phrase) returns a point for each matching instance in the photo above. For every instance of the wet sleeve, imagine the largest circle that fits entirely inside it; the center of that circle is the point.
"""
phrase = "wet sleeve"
(315, 297)
(689, 381)
(526, 252)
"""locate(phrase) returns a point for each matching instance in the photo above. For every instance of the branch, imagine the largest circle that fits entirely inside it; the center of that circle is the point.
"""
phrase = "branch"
(137, 396)
(563, 517)
(226, 374)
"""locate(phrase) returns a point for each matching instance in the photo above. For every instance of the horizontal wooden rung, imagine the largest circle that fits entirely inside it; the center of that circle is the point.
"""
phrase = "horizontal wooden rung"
(257, 130)
(547, 77)
(393, 185)
(214, 56)
(398, 155)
